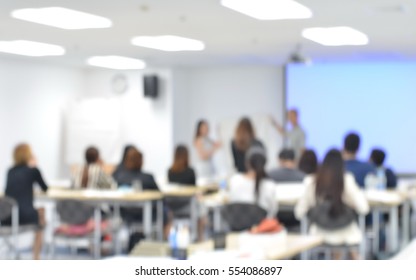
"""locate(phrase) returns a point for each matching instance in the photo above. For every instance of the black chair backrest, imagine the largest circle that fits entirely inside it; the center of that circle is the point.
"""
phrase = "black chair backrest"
(74, 212)
(6, 206)
(243, 216)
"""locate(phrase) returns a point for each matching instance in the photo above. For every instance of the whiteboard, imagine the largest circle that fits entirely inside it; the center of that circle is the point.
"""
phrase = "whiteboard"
(93, 122)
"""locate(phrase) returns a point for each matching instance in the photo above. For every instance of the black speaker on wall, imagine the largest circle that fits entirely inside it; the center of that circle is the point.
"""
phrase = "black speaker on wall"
(151, 86)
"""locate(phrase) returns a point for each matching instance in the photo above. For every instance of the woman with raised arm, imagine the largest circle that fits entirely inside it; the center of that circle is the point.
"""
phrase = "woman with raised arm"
(205, 149)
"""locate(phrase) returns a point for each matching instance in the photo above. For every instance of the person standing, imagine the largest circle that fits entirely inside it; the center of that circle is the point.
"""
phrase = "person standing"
(295, 138)
(205, 149)
(244, 139)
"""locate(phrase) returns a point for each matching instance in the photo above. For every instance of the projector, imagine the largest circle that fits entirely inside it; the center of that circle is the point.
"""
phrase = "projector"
(298, 58)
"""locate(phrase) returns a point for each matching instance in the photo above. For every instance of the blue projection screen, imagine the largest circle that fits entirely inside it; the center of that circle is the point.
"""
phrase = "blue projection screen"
(377, 100)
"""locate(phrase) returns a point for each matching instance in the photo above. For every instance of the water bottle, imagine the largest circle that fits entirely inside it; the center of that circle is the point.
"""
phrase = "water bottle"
(183, 240)
(173, 241)
(381, 179)
(223, 185)
(137, 186)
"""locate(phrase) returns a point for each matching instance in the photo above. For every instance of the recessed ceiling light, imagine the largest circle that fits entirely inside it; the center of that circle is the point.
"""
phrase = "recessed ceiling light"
(335, 36)
(168, 43)
(116, 62)
(62, 18)
(269, 9)
(30, 48)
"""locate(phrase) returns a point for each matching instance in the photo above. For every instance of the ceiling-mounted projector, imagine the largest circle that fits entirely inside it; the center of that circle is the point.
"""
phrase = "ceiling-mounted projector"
(298, 58)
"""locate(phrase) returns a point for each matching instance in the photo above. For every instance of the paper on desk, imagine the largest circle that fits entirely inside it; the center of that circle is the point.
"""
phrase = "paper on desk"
(168, 187)
(382, 196)
(103, 193)
(215, 200)
(60, 184)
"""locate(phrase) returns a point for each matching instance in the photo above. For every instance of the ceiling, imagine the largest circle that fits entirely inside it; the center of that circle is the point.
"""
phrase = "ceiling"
(230, 37)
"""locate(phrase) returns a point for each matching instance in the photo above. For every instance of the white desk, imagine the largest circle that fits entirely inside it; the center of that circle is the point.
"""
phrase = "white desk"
(407, 253)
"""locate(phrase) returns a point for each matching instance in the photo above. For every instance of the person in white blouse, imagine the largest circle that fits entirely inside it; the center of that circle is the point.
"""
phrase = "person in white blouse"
(332, 184)
(253, 186)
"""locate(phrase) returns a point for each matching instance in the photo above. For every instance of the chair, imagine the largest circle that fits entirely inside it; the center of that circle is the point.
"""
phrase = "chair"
(9, 210)
(243, 216)
(77, 223)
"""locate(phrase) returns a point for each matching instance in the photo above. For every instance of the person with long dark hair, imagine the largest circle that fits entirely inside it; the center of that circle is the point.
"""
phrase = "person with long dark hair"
(339, 190)
(244, 139)
(131, 171)
(180, 173)
(92, 175)
(253, 186)
(120, 166)
(308, 162)
(205, 149)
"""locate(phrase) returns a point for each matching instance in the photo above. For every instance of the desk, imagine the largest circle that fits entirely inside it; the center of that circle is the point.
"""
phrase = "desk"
(116, 198)
(389, 201)
(408, 253)
(296, 244)
(290, 246)
(192, 193)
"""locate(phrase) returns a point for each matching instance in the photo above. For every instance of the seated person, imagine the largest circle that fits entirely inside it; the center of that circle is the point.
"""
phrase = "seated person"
(339, 190)
(287, 172)
(19, 186)
(180, 173)
(388, 177)
(92, 175)
(131, 171)
(253, 186)
(123, 158)
(308, 162)
(359, 169)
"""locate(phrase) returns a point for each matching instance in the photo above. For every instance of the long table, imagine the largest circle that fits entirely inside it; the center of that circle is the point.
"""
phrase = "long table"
(143, 199)
(287, 196)
(117, 199)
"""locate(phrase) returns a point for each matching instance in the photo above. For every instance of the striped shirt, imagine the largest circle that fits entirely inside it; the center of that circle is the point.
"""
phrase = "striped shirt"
(97, 178)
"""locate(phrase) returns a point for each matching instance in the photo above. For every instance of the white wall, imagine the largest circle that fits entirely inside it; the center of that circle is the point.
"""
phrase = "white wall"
(145, 122)
(33, 96)
(223, 95)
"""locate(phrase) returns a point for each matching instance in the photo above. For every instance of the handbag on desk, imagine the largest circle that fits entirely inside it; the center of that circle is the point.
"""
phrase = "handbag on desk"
(321, 216)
